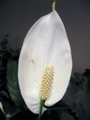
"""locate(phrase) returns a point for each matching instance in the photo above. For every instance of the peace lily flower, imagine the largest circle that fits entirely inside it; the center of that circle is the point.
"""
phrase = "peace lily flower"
(45, 63)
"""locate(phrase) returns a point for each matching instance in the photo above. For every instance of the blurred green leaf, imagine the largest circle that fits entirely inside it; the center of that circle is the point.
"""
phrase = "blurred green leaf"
(1, 107)
(61, 105)
(12, 84)
(4, 42)
(4, 94)
(51, 115)
(87, 76)
(7, 107)
(87, 73)
(78, 110)
(55, 111)
(77, 79)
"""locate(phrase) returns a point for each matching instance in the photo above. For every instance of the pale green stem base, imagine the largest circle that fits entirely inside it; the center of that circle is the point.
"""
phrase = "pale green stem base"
(41, 108)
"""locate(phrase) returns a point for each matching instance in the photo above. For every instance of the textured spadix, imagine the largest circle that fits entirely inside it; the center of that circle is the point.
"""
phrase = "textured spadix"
(45, 43)
(47, 81)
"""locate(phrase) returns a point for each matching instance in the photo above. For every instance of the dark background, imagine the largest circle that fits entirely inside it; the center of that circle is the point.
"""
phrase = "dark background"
(17, 16)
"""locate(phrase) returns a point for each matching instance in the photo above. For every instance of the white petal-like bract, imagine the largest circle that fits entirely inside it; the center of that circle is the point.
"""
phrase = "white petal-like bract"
(45, 43)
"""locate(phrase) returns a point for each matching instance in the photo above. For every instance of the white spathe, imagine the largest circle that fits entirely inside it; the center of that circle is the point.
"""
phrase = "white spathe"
(45, 43)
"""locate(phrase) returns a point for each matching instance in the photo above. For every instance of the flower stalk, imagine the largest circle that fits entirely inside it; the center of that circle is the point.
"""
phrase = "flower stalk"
(41, 108)
(53, 5)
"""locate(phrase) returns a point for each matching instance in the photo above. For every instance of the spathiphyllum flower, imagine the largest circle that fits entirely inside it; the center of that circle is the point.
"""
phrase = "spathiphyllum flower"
(45, 62)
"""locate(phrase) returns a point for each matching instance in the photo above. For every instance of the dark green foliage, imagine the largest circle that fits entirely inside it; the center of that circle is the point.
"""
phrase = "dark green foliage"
(78, 111)
(9, 109)
(77, 79)
(10, 96)
(25, 115)
(54, 112)
(12, 84)
(6, 55)
(87, 75)
(51, 115)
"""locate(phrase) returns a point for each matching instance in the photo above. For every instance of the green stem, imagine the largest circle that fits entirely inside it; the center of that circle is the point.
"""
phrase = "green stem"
(54, 5)
(41, 108)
